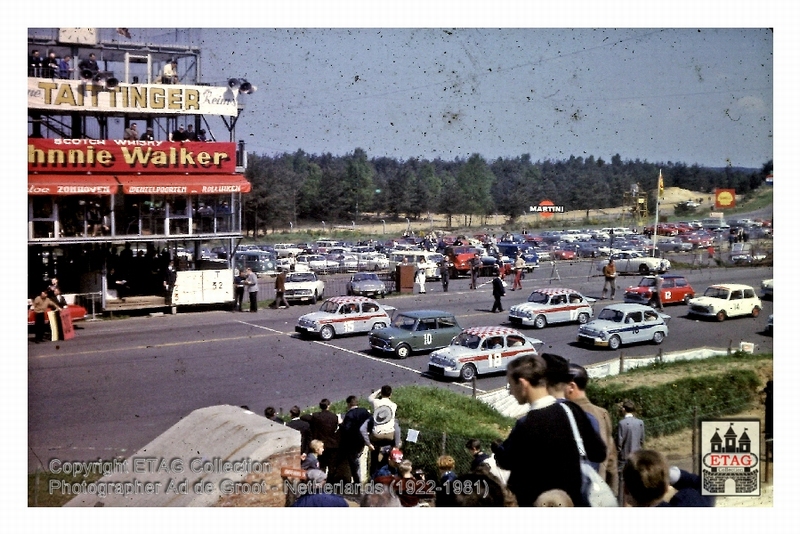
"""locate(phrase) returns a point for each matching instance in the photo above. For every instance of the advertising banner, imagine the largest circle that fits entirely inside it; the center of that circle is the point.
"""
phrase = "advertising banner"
(109, 156)
(70, 96)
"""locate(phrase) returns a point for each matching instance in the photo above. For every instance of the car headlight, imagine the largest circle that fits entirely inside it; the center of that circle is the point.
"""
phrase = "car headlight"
(603, 335)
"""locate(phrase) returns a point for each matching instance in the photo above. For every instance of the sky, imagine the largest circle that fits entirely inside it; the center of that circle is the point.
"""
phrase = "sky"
(682, 95)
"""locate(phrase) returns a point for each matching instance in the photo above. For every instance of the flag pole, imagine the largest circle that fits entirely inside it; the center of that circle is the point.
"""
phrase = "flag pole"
(659, 189)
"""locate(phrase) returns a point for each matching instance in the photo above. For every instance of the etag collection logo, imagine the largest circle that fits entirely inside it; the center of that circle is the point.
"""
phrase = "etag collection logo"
(729, 456)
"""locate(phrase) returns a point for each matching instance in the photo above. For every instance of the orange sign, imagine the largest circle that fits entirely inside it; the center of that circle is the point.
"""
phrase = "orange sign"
(546, 209)
(724, 198)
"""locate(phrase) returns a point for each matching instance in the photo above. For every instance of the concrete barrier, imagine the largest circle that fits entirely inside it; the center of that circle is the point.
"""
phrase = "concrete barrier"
(216, 456)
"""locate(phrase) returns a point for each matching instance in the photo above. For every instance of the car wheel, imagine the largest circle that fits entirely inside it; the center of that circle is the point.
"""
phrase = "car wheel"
(687, 298)
(540, 321)
(379, 325)
(327, 333)
(468, 372)
(756, 311)
(653, 303)
(614, 343)
(583, 318)
(402, 351)
(721, 316)
(658, 337)
(644, 269)
(314, 298)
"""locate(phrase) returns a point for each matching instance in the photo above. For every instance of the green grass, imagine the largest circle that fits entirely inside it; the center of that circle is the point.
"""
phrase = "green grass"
(39, 488)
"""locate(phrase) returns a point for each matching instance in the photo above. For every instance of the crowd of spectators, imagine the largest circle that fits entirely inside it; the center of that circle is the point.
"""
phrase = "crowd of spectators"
(538, 464)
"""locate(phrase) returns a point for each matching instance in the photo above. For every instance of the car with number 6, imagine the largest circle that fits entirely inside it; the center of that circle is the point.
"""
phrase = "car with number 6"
(415, 331)
(619, 324)
(344, 315)
(480, 350)
(552, 305)
(721, 301)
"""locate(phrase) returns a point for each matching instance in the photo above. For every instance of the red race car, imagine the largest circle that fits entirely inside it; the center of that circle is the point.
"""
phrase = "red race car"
(674, 289)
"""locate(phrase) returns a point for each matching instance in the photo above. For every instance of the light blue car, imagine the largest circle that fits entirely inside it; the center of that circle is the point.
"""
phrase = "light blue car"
(620, 324)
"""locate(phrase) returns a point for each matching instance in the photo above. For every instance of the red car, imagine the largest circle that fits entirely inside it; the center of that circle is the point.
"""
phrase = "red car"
(563, 254)
(674, 289)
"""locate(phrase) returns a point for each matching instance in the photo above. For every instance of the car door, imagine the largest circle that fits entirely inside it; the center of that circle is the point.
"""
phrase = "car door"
(348, 318)
(424, 334)
(736, 302)
(576, 305)
(559, 311)
(633, 329)
(493, 348)
(446, 329)
(668, 291)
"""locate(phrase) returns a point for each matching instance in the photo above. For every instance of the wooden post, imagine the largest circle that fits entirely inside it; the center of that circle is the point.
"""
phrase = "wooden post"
(474, 387)
(695, 467)
(621, 362)
(444, 441)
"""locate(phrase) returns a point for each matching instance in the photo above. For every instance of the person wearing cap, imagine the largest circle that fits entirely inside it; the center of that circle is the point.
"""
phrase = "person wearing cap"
(630, 437)
(169, 74)
(390, 468)
(148, 135)
(179, 134)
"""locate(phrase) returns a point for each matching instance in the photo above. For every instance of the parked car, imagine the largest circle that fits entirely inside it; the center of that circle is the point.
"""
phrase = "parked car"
(632, 261)
(562, 254)
(766, 289)
(674, 289)
(344, 315)
(415, 331)
(673, 244)
(726, 300)
(745, 253)
(366, 284)
(552, 305)
(480, 350)
(619, 324)
(303, 287)
(283, 250)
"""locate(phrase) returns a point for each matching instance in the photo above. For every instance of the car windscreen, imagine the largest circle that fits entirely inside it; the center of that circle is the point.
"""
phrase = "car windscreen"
(301, 277)
(611, 315)
(466, 340)
(647, 282)
(364, 276)
(539, 298)
(717, 293)
(404, 321)
(329, 307)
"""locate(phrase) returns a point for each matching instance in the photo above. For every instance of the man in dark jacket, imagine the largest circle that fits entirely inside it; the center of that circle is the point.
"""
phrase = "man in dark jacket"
(301, 426)
(498, 291)
(351, 443)
(324, 427)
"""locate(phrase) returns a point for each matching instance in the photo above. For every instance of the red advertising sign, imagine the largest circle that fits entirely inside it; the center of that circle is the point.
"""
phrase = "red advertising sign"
(725, 198)
(110, 156)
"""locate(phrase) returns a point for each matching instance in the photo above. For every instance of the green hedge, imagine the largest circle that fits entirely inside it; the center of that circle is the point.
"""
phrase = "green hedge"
(670, 407)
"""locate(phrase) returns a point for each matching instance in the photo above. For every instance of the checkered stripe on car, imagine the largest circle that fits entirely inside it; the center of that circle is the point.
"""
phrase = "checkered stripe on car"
(486, 331)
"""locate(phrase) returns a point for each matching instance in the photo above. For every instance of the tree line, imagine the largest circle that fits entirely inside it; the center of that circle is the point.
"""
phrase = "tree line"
(301, 187)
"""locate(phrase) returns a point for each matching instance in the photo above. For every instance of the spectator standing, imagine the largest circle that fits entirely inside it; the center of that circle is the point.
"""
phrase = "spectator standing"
(540, 451)
(89, 65)
(170, 277)
(190, 133)
(50, 66)
(131, 133)
(301, 426)
(41, 305)
(351, 443)
(474, 270)
(35, 64)
(610, 276)
(324, 427)
(630, 437)
(576, 392)
(169, 74)
(251, 281)
(280, 289)
(420, 274)
(178, 135)
(382, 429)
(498, 292)
(519, 267)
(238, 288)
(444, 271)
(64, 68)
(201, 136)
(657, 295)
(269, 413)
(148, 135)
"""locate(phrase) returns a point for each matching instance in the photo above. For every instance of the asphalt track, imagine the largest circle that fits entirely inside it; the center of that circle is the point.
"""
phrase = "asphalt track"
(120, 383)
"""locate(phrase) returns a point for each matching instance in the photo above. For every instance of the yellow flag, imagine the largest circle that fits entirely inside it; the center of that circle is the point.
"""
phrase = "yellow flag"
(660, 185)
